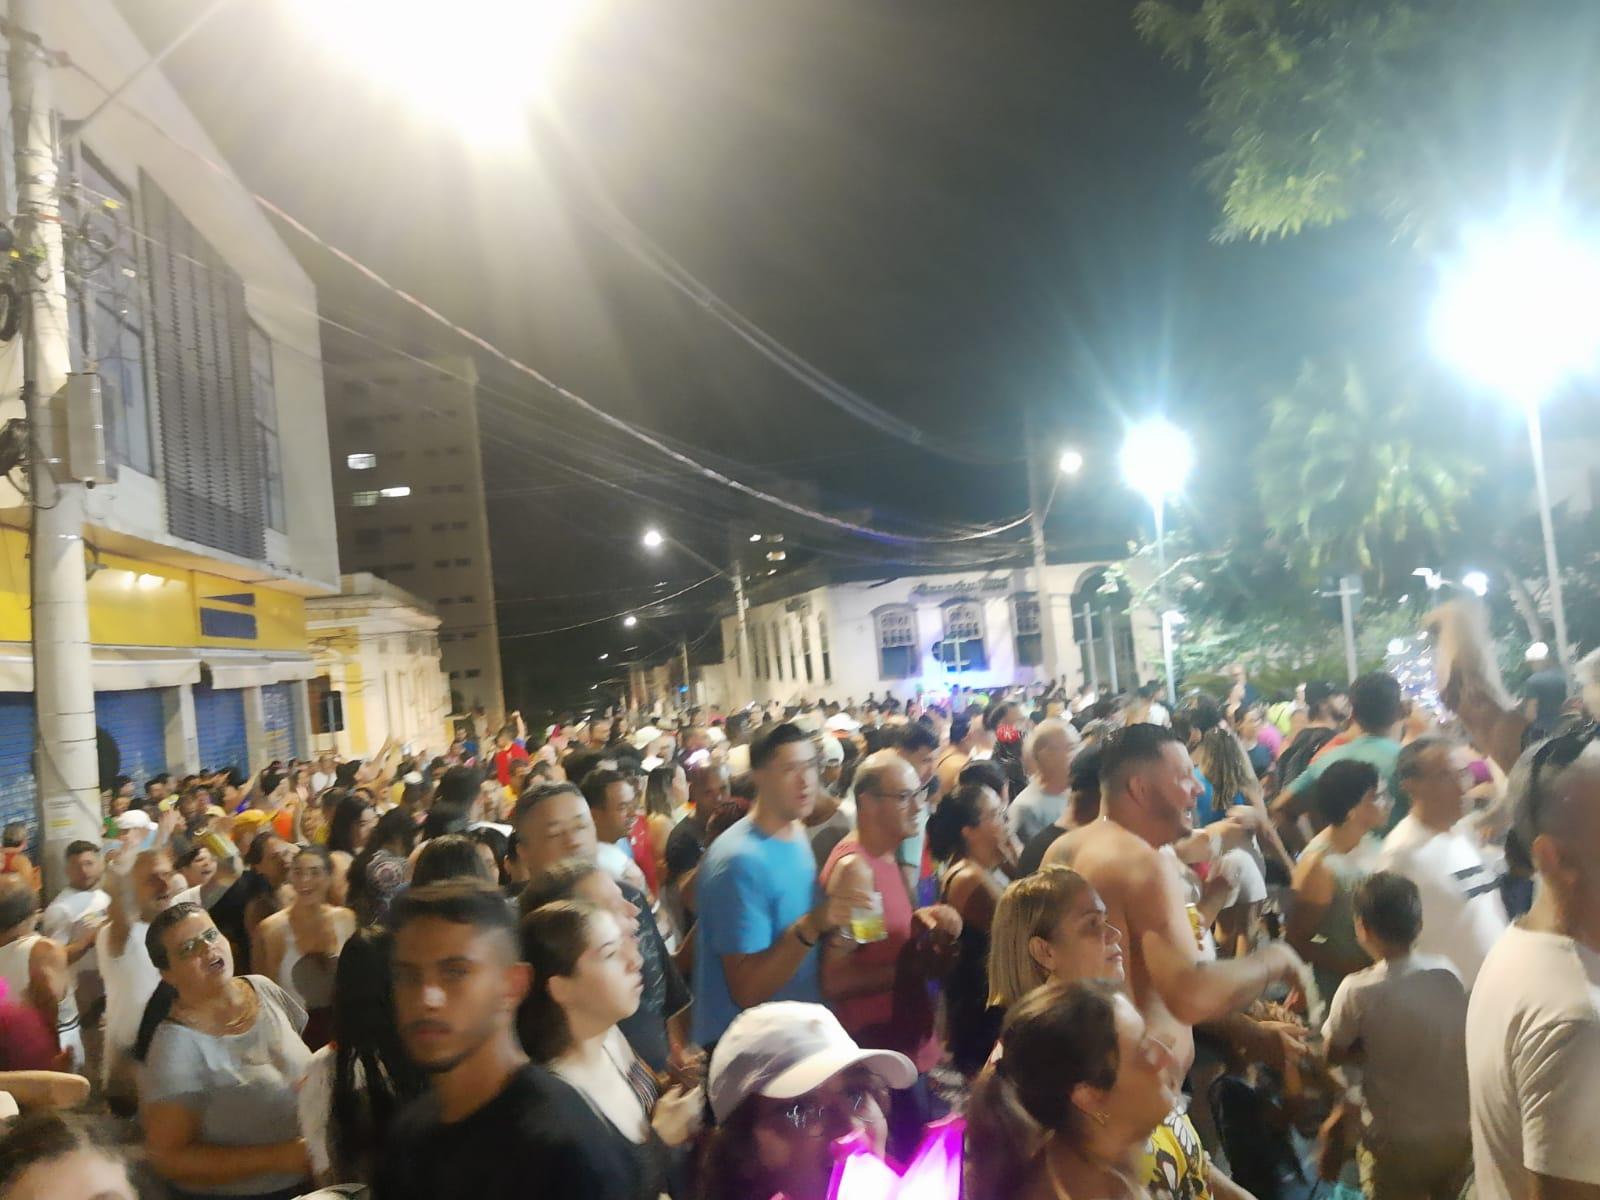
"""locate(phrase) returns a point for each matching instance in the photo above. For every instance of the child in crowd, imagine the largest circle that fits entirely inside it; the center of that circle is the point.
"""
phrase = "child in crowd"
(1403, 1019)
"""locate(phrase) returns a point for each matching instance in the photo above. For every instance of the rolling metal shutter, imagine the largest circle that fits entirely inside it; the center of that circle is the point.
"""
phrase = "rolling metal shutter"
(17, 791)
(210, 441)
(137, 723)
(219, 721)
(277, 715)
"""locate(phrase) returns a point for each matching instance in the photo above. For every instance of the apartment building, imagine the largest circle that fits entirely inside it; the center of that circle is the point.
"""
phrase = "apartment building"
(408, 477)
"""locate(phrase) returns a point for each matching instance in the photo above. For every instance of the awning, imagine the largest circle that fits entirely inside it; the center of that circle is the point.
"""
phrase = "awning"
(116, 669)
(257, 670)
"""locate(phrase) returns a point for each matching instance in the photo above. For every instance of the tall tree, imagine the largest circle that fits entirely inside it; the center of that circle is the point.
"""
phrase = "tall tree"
(1421, 113)
(1355, 477)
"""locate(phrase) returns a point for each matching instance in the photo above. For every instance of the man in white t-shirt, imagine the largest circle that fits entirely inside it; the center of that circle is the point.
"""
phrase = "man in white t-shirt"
(73, 919)
(1462, 913)
(1533, 1023)
(149, 887)
(1049, 748)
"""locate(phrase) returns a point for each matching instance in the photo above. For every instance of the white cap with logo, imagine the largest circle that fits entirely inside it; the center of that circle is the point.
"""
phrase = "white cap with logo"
(784, 1049)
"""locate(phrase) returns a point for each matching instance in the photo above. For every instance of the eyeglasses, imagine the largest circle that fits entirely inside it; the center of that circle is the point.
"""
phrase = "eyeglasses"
(811, 1118)
(1556, 754)
(901, 798)
(196, 946)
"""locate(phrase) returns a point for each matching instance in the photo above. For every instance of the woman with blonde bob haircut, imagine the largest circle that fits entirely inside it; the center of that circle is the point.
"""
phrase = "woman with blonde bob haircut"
(1050, 926)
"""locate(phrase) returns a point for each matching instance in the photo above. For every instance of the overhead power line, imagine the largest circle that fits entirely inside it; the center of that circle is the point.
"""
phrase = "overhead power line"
(642, 435)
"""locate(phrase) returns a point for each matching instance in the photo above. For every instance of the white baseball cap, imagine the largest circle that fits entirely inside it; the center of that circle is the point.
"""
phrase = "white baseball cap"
(786, 1048)
(832, 750)
(842, 723)
(134, 818)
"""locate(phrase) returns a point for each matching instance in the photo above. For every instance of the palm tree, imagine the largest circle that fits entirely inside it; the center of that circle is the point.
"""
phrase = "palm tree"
(1353, 480)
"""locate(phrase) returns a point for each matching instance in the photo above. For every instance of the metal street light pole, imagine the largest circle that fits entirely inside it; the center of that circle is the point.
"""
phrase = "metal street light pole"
(1041, 584)
(1552, 568)
(1159, 504)
(654, 538)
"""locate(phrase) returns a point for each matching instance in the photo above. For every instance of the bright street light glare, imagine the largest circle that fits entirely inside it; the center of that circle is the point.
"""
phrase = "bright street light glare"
(474, 65)
(1537, 651)
(653, 538)
(755, 537)
(1156, 458)
(603, 657)
(629, 621)
(1071, 462)
(1476, 582)
(1519, 308)
(1397, 645)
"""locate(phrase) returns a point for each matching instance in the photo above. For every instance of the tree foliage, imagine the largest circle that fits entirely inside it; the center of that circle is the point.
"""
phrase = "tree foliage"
(1422, 113)
(1352, 477)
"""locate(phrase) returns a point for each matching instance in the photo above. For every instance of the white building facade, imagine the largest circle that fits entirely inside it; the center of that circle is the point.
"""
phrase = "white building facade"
(381, 673)
(920, 634)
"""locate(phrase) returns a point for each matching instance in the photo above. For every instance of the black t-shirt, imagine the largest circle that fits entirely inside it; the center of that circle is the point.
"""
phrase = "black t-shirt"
(1032, 856)
(664, 993)
(227, 914)
(538, 1137)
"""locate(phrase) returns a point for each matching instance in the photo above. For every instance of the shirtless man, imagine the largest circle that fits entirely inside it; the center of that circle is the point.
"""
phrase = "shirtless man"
(1148, 790)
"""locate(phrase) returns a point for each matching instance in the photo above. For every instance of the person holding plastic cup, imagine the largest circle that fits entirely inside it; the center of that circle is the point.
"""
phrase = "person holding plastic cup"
(875, 968)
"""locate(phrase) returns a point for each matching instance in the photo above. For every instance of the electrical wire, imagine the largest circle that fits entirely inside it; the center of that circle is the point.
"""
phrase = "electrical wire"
(609, 617)
(474, 339)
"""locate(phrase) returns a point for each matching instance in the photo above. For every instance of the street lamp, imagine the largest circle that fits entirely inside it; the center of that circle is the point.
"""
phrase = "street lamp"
(1071, 462)
(629, 621)
(1156, 460)
(475, 66)
(653, 539)
(1519, 312)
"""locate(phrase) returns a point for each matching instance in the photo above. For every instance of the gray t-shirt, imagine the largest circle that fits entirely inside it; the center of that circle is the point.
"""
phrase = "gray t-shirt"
(243, 1085)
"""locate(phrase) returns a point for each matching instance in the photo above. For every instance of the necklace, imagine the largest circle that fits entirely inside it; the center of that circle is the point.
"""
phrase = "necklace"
(228, 1025)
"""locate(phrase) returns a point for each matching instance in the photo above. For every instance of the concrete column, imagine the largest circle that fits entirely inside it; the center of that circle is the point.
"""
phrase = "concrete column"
(300, 690)
(183, 735)
(255, 729)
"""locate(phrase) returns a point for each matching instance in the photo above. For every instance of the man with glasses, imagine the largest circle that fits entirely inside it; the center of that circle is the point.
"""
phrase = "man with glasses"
(1533, 1022)
(875, 972)
(760, 921)
(1462, 913)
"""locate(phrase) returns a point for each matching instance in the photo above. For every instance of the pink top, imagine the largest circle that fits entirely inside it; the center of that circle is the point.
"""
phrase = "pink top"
(860, 1014)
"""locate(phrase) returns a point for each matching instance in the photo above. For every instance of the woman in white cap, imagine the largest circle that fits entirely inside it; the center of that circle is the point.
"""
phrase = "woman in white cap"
(786, 1082)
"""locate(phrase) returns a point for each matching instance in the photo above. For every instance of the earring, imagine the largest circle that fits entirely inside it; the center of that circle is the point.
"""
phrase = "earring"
(1099, 1119)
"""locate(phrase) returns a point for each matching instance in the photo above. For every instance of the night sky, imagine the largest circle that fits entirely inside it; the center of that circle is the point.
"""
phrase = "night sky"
(961, 209)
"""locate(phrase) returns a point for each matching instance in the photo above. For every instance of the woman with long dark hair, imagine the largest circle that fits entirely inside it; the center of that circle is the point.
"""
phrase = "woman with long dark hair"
(1068, 1106)
(298, 946)
(360, 1080)
(353, 821)
(379, 871)
(586, 979)
(967, 833)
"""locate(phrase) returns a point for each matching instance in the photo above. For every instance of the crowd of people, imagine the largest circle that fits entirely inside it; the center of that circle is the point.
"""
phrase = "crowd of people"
(1326, 941)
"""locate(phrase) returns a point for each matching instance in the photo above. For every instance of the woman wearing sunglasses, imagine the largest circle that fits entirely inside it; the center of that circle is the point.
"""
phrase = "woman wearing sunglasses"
(221, 1055)
(787, 1082)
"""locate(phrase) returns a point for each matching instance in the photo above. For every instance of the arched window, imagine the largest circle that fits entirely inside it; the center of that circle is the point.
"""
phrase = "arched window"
(962, 648)
(897, 641)
(1103, 628)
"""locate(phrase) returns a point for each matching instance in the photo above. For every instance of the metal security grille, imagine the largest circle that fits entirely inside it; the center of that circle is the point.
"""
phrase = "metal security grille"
(210, 439)
(136, 723)
(219, 721)
(17, 790)
(277, 718)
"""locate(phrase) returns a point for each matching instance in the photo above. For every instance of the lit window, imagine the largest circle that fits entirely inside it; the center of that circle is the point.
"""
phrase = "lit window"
(363, 499)
(395, 493)
(361, 462)
(962, 647)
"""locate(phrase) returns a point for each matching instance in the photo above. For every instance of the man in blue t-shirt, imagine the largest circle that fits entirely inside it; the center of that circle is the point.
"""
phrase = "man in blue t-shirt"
(760, 915)
(1378, 709)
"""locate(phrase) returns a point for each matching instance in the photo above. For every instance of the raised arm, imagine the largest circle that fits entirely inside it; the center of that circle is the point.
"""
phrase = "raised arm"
(1193, 991)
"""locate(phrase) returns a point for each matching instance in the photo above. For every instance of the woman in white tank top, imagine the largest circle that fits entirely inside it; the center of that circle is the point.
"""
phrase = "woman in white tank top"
(299, 945)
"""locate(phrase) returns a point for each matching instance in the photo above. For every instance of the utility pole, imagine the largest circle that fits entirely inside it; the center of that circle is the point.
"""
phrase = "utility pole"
(747, 669)
(67, 763)
(1041, 589)
(688, 684)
